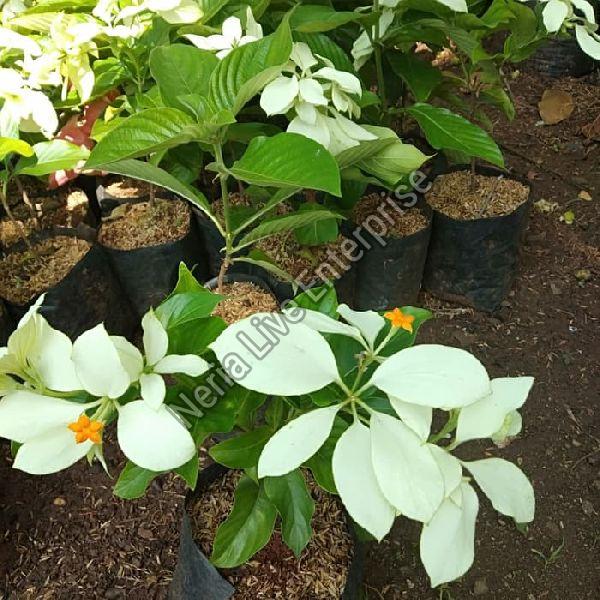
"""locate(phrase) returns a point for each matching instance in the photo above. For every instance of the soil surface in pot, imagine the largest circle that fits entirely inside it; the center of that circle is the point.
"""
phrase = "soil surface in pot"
(454, 195)
(306, 263)
(399, 223)
(143, 224)
(60, 209)
(127, 188)
(27, 274)
(275, 573)
(243, 300)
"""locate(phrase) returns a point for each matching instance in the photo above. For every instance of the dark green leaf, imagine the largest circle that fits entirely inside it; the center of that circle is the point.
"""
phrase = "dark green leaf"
(314, 18)
(189, 472)
(419, 75)
(446, 130)
(194, 337)
(294, 503)
(321, 299)
(133, 481)
(404, 339)
(247, 529)
(243, 450)
(318, 232)
(324, 46)
(183, 308)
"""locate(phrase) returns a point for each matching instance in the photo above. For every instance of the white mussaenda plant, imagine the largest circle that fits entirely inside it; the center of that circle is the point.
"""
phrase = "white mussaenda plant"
(59, 396)
(316, 100)
(385, 464)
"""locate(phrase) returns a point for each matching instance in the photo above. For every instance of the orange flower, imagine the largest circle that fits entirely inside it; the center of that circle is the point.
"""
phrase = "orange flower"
(86, 429)
(400, 320)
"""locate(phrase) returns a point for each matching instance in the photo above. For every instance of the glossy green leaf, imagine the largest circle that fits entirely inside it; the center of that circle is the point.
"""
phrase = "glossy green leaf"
(51, 156)
(144, 133)
(183, 308)
(133, 481)
(189, 472)
(243, 450)
(404, 339)
(446, 130)
(321, 299)
(294, 503)
(324, 46)
(394, 162)
(314, 18)
(247, 529)
(180, 70)
(419, 75)
(288, 160)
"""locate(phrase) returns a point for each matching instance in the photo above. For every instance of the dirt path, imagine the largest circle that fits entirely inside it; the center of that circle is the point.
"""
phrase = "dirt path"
(66, 537)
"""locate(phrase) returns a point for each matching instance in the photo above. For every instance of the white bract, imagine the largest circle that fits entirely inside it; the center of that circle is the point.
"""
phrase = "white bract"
(307, 97)
(384, 465)
(24, 109)
(232, 35)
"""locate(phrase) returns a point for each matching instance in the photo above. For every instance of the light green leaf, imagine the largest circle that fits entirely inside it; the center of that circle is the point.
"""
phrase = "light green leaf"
(314, 18)
(267, 265)
(294, 503)
(445, 130)
(147, 172)
(393, 162)
(247, 529)
(144, 133)
(184, 308)
(248, 69)
(288, 160)
(12, 145)
(241, 451)
(181, 70)
(52, 156)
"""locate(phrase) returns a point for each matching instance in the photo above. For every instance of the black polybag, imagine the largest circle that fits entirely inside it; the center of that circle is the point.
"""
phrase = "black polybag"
(7, 324)
(88, 295)
(561, 58)
(473, 262)
(196, 578)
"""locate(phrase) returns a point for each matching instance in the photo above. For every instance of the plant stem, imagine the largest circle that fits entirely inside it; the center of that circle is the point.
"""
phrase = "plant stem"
(218, 149)
(16, 223)
(448, 427)
(152, 195)
(379, 62)
(27, 203)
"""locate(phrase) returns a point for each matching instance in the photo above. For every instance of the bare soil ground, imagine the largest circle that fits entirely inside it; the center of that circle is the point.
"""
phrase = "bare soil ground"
(66, 537)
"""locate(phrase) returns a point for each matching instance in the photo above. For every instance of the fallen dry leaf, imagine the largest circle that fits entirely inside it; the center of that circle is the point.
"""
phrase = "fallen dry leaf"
(544, 206)
(592, 130)
(556, 106)
(583, 195)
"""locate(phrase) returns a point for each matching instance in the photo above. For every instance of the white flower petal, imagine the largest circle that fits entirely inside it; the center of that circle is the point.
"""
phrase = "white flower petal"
(554, 14)
(307, 112)
(186, 12)
(448, 540)
(356, 482)
(433, 375)
(189, 364)
(347, 81)
(153, 390)
(51, 452)
(302, 55)
(131, 358)
(156, 339)
(279, 95)
(153, 439)
(450, 468)
(352, 130)
(506, 486)
(586, 8)
(456, 5)
(253, 29)
(98, 365)
(484, 418)
(296, 442)
(267, 353)
(25, 415)
(417, 417)
(310, 91)
(408, 475)
(325, 324)
(369, 322)
(210, 42)
(589, 44)
(12, 39)
(232, 30)
(317, 131)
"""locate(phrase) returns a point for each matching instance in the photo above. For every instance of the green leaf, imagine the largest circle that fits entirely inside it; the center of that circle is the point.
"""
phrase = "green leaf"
(294, 503)
(419, 75)
(267, 265)
(243, 450)
(51, 156)
(146, 172)
(12, 145)
(314, 18)
(285, 223)
(133, 481)
(189, 472)
(404, 339)
(324, 46)
(393, 162)
(288, 160)
(248, 69)
(446, 130)
(183, 308)
(318, 232)
(247, 529)
(186, 282)
(365, 149)
(109, 73)
(249, 403)
(144, 133)
(195, 336)
(181, 69)
(321, 299)
(320, 463)
(281, 195)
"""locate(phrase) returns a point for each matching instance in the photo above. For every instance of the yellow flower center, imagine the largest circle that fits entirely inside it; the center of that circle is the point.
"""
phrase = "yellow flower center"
(400, 320)
(87, 429)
